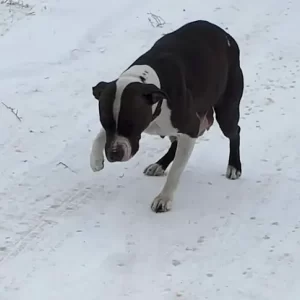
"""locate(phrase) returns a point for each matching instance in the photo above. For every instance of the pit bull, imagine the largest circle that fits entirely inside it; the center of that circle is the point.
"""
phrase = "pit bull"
(174, 89)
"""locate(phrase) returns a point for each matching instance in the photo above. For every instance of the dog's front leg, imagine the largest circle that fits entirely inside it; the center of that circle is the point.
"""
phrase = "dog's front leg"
(163, 202)
(97, 153)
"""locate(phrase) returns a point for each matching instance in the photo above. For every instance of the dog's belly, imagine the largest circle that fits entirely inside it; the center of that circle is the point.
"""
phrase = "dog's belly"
(206, 121)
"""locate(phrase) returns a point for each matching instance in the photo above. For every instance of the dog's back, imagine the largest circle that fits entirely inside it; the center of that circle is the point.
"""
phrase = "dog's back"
(201, 53)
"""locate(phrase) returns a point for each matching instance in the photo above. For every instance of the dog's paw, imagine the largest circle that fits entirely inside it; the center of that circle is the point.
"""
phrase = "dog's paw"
(233, 173)
(96, 163)
(154, 170)
(161, 203)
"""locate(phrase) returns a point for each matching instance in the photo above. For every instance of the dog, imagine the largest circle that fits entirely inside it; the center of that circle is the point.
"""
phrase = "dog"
(186, 79)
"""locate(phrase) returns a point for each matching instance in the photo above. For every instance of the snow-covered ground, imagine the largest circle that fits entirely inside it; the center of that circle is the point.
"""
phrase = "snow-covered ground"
(69, 233)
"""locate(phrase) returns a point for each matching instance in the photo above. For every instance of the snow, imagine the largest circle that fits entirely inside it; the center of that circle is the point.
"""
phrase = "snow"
(68, 233)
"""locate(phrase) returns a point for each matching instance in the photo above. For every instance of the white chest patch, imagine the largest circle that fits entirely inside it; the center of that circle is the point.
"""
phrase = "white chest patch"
(162, 124)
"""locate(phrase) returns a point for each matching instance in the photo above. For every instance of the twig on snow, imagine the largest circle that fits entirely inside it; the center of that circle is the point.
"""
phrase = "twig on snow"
(156, 21)
(66, 166)
(32, 13)
(13, 110)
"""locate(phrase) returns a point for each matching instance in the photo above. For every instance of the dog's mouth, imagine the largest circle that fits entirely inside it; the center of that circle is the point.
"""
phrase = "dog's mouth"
(120, 150)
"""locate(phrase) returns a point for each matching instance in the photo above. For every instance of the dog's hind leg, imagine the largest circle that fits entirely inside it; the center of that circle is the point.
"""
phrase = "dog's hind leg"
(159, 168)
(228, 115)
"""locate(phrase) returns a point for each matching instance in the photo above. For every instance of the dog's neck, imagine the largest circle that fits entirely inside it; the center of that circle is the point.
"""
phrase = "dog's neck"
(142, 73)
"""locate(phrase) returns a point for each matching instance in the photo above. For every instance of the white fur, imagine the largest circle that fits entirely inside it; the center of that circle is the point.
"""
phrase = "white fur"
(232, 173)
(154, 170)
(125, 144)
(162, 124)
(97, 155)
(120, 86)
(163, 202)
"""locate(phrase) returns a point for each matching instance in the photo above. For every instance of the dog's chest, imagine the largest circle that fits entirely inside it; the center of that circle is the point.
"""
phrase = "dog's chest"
(162, 124)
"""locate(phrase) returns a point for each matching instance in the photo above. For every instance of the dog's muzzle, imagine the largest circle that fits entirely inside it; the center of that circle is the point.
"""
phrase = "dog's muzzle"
(120, 150)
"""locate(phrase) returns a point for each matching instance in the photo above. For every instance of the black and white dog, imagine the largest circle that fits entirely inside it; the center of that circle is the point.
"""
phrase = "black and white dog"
(173, 90)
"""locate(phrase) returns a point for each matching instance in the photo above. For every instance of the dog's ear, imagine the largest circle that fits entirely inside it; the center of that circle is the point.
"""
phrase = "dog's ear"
(152, 93)
(99, 88)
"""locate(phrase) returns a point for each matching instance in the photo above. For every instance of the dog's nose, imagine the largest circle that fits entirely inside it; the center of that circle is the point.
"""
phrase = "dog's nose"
(116, 154)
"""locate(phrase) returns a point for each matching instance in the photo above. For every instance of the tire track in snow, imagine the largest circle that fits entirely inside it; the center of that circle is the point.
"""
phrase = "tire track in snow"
(74, 200)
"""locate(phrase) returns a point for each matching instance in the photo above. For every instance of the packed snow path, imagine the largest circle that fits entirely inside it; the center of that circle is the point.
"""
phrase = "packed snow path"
(68, 233)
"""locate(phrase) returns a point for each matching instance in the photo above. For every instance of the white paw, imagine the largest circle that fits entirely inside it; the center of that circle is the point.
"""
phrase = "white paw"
(96, 163)
(233, 173)
(154, 170)
(161, 204)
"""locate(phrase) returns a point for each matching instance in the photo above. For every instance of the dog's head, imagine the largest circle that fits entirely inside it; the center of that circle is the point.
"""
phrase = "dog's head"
(125, 110)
